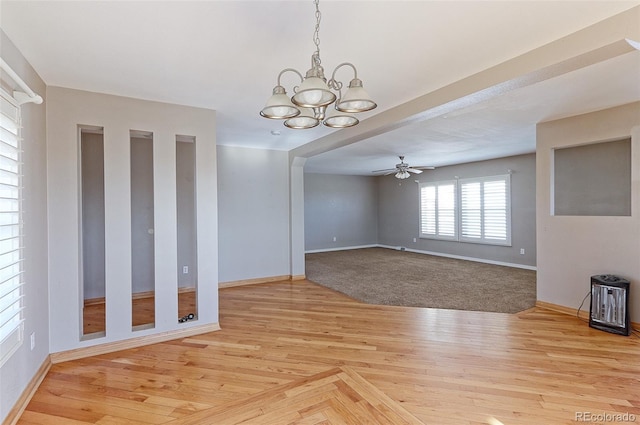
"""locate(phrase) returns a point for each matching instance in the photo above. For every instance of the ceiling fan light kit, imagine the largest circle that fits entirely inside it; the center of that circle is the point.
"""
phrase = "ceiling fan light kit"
(403, 170)
(316, 93)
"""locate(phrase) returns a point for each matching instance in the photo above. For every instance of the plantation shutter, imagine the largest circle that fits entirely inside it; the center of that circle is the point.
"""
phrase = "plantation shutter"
(485, 210)
(428, 211)
(11, 280)
(495, 210)
(471, 210)
(438, 210)
(447, 210)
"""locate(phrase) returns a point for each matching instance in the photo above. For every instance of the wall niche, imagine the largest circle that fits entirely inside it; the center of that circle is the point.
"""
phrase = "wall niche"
(592, 179)
(142, 230)
(186, 226)
(92, 230)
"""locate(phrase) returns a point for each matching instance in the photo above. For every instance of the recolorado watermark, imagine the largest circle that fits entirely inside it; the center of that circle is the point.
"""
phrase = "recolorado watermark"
(605, 417)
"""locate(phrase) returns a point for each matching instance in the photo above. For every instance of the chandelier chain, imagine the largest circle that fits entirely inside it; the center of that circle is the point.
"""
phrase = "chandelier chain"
(316, 33)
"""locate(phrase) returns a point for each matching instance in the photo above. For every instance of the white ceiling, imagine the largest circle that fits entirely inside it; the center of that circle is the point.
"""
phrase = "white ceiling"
(498, 127)
(226, 55)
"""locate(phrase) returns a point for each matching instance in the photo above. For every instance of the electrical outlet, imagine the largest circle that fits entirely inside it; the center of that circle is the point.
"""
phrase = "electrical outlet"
(415, 240)
(521, 251)
(33, 340)
(334, 238)
(185, 269)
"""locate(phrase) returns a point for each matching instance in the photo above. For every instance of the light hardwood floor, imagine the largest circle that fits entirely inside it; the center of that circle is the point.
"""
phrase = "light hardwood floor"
(297, 353)
(143, 311)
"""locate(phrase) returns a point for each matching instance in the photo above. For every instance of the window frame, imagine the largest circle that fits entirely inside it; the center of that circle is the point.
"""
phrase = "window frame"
(437, 234)
(483, 238)
(11, 244)
(459, 212)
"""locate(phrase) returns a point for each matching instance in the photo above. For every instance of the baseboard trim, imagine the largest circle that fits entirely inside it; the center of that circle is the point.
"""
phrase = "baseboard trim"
(562, 309)
(461, 257)
(27, 394)
(255, 281)
(110, 347)
(298, 277)
(137, 295)
(93, 301)
(584, 314)
(417, 251)
(342, 248)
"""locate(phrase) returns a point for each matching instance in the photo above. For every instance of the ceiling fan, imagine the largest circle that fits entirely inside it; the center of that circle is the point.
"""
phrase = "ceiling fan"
(403, 169)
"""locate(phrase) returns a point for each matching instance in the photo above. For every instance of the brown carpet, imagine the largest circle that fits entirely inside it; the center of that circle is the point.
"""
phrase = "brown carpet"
(390, 277)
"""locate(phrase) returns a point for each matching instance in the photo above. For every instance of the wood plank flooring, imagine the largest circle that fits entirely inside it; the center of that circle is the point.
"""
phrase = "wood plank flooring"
(142, 311)
(298, 353)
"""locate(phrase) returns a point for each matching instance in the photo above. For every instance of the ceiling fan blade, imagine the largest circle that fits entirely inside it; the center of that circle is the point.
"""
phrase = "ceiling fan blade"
(403, 167)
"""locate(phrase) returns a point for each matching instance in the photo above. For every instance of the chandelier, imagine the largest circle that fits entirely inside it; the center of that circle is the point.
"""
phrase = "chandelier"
(308, 106)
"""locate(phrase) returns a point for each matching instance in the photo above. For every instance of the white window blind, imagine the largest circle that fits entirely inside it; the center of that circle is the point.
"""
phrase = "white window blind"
(438, 210)
(485, 210)
(11, 277)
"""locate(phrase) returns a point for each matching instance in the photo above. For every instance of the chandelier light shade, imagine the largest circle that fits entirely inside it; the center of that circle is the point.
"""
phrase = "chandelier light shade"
(313, 93)
(340, 120)
(356, 99)
(279, 105)
(305, 120)
(317, 94)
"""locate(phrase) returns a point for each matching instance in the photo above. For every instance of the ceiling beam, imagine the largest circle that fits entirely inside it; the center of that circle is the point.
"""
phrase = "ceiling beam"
(600, 42)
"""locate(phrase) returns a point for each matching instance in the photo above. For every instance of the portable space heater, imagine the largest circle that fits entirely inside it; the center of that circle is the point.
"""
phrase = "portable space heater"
(610, 304)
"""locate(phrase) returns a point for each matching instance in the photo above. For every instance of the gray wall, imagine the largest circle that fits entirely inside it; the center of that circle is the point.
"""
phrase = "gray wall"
(253, 212)
(66, 109)
(16, 373)
(142, 211)
(344, 207)
(593, 179)
(571, 249)
(142, 215)
(399, 209)
(92, 177)
(186, 200)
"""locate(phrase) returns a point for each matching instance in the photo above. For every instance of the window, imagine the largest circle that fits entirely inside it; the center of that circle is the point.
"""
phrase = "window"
(485, 210)
(11, 320)
(438, 210)
(469, 210)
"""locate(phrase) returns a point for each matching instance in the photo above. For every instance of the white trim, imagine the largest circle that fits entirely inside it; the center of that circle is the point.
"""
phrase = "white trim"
(12, 281)
(460, 257)
(342, 248)
(20, 97)
(418, 251)
(12, 342)
(437, 211)
(482, 238)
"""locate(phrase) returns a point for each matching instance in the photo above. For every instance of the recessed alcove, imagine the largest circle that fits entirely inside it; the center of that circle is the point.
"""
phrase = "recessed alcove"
(92, 230)
(142, 230)
(593, 179)
(186, 227)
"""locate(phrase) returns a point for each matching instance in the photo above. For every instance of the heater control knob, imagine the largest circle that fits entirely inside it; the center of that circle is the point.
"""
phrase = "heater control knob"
(610, 278)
